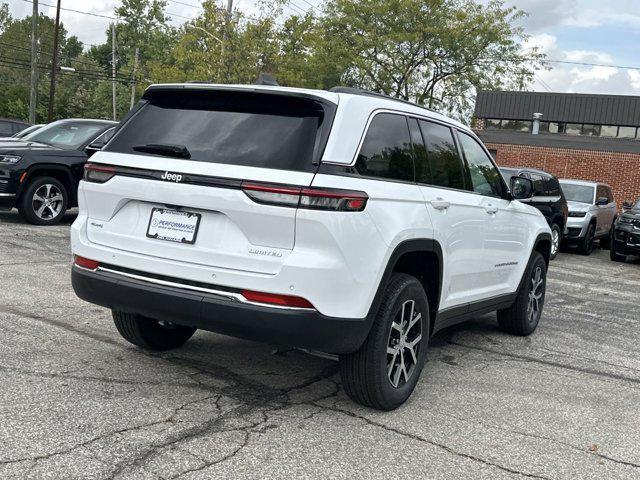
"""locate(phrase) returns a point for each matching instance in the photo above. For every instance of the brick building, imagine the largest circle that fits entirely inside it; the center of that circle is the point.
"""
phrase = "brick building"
(590, 137)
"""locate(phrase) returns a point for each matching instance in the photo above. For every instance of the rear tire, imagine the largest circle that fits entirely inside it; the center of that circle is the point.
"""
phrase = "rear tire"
(605, 242)
(384, 372)
(556, 240)
(44, 201)
(150, 334)
(585, 246)
(523, 316)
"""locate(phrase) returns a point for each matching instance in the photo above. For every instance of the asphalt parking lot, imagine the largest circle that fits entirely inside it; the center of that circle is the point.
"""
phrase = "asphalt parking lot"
(77, 401)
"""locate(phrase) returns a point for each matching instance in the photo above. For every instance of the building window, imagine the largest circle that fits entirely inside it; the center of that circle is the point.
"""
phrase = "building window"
(591, 130)
(608, 131)
(491, 124)
(627, 132)
(573, 129)
(544, 127)
(556, 127)
(518, 125)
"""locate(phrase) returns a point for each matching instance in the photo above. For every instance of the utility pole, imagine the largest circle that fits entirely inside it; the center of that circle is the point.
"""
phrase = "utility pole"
(113, 68)
(133, 77)
(33, 93)
(54, 63)
(225, 38)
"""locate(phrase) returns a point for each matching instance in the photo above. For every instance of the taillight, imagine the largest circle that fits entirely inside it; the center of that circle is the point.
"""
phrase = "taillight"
(275, 299)
(97, 173)
(272, 194)
(311, 198)
(85, 263)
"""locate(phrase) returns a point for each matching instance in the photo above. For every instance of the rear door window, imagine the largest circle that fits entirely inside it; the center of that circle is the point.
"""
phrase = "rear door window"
(445, 165)
(237, 128)
(386, 151)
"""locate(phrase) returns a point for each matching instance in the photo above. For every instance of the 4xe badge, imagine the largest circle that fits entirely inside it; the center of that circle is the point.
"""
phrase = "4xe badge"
(171, 177)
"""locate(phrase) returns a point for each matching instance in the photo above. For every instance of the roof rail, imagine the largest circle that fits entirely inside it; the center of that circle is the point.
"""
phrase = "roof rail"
(369, 93)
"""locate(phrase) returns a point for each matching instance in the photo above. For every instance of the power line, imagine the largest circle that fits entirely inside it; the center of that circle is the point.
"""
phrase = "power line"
(588, 64)
(99, 15)
(75, 11)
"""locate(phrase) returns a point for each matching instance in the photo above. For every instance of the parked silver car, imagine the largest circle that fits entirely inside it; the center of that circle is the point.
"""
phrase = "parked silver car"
(592, 212)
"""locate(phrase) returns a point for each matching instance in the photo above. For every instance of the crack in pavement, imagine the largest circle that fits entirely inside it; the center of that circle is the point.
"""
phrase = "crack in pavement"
(539, 437)
(529, 358)
(441, 446)
(106, 380)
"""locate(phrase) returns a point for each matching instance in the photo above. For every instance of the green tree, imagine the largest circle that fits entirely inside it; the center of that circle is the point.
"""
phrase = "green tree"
(434, 52)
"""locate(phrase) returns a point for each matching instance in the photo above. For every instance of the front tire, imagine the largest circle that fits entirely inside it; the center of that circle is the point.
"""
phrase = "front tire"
(585, 246)
(150, 334)
(523, 316)
(44, 201)
(556, 241)
(615, 257)
(384, 372)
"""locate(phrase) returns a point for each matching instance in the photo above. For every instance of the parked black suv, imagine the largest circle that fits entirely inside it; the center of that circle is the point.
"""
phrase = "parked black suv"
(547, 197)
(625, 234)
(40, 175)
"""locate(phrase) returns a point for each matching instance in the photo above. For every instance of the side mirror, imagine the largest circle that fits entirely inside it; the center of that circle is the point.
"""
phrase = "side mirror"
(94, 147)
(627, 205)
(602, 201)
(521, 188)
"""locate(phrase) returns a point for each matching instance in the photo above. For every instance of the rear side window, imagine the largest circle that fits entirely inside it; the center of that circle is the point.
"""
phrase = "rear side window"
(485, 177)
(445, 165)
(609, 194)
(386, 149)
(237, 128)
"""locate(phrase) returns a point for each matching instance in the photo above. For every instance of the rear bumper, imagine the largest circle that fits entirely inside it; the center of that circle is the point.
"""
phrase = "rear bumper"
(290, 327)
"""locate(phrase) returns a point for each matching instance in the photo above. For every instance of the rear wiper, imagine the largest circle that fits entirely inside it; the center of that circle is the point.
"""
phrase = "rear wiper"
(178, 151)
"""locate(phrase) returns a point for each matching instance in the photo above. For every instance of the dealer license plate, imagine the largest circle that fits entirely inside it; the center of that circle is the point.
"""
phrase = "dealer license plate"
(173, 225)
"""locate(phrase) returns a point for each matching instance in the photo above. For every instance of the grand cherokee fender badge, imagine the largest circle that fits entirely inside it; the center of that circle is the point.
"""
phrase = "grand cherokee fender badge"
(171, 177)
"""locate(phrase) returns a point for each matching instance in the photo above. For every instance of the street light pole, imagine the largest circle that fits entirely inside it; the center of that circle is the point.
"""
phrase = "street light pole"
(33, 92)
(54, 64)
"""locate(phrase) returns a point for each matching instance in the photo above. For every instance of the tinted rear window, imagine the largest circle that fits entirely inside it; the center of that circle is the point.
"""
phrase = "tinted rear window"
(237, 128)
(386, 150)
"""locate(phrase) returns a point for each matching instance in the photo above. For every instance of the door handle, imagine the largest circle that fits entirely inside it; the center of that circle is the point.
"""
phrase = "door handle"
(440, 204)
(490, 209)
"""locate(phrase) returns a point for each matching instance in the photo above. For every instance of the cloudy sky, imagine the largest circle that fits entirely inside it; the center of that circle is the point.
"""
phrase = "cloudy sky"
(586, 31)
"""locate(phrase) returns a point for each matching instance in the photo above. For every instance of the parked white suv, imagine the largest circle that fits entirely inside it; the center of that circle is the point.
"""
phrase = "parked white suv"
(338, 221)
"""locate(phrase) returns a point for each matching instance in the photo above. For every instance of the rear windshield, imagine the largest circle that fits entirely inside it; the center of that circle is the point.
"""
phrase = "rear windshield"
(237, 128)
(578, 193)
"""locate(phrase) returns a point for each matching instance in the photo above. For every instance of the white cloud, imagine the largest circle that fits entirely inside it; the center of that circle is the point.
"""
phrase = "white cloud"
(581, 79)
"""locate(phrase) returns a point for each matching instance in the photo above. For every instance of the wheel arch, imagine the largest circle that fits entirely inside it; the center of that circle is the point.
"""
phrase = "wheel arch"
(422, 259)
(543, 246)
(59, 172)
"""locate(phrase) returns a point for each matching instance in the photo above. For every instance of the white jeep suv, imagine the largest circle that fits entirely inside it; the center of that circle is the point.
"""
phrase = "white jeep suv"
(338, 221)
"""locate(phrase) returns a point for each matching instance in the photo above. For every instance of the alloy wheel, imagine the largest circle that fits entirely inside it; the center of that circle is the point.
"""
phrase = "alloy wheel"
(47, 202)
(404, 344)
(535, 296)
